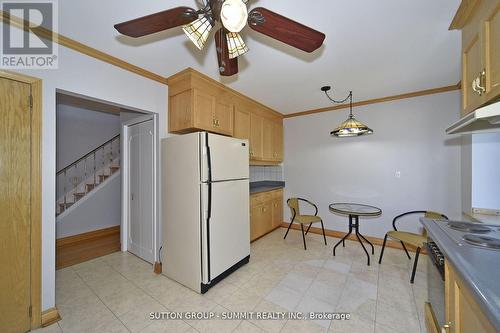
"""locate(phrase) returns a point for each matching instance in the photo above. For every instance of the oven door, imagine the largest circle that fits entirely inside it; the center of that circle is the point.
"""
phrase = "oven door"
(435, 310)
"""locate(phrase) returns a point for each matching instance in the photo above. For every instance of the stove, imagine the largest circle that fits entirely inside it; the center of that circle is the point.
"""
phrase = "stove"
(481, 235)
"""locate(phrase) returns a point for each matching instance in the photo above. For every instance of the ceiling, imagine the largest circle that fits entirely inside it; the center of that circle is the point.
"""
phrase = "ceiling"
(375, 48)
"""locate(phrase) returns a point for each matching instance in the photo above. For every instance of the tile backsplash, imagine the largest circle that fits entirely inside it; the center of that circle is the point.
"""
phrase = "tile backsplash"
(260, 173)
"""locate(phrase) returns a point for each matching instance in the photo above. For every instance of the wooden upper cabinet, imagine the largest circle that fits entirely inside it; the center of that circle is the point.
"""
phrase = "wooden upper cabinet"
(180, 115)
(198, 103)
(471, 69)
(241, 127)
(256, 137)
(267, 140)
(278, 141)
(223, 117)
(492, 52)
(203, 110)
(480, 25)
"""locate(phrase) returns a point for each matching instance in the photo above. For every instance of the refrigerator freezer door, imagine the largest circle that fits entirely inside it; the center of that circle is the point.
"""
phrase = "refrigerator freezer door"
(229, 225)
(181, 210)
(228, 157)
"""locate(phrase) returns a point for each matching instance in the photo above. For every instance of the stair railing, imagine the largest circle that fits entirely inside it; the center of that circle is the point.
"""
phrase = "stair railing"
(74, 166)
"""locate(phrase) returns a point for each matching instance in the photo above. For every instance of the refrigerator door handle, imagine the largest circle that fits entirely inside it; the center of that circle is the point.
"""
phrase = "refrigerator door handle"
(209, 203)
(209, 158)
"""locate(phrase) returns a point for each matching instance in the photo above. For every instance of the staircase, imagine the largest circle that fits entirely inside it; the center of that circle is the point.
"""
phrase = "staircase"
(77, 180)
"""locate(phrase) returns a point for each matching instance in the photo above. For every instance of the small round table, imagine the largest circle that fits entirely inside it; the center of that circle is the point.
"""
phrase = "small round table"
(354, 211)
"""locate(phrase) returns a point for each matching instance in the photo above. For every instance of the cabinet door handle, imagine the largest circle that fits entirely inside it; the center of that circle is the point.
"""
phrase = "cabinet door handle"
(445, 328)
(481, 84)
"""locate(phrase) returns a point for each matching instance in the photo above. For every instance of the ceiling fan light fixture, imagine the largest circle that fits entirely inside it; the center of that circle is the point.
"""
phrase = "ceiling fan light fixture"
(198, 31)
(235, 45)
(234, 15)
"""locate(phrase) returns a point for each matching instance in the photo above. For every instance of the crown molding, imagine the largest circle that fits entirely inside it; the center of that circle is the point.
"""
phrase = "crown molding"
(81, 48)
(377, 100)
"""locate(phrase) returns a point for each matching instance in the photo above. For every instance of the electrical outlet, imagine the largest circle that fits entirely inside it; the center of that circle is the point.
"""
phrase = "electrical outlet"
(397, 174)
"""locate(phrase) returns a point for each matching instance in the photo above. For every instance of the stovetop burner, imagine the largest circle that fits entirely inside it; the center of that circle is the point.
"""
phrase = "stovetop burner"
(469, 227)
(483, 241)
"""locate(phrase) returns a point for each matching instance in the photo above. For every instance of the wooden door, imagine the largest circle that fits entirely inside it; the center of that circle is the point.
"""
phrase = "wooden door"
(204, 110)
(15, 192)
(278, 141)
(471, 69)
(267, 140)
(180, 112)
(223, 117)
(241, 128)
(256, 123)
(492, 53)
(277, 206)
(255, 221)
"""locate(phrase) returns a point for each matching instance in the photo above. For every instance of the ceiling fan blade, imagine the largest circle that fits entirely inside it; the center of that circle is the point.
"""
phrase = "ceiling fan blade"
(285, 30)
(157, 22)
(227, 66)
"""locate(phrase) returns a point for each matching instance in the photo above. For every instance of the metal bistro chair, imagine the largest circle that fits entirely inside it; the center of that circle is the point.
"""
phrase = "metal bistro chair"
(293, 203)
(410, 237)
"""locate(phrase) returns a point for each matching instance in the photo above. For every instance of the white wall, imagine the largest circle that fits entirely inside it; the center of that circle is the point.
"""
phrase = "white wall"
(485, 170)
(90, 77)
(79, 131)
(99, 210)
(409, 137)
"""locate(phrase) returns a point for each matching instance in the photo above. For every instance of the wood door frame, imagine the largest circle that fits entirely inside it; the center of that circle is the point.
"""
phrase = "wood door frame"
(36, 190)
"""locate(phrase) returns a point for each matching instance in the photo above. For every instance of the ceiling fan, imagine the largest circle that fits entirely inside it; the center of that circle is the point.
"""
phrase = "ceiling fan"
(233, 17)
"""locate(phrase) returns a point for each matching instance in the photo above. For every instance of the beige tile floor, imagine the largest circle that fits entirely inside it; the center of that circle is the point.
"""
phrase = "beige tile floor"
(117, 292)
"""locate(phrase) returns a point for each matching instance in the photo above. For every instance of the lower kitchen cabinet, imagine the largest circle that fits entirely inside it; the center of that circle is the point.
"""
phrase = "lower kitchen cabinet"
(266, 212)
(463, 314)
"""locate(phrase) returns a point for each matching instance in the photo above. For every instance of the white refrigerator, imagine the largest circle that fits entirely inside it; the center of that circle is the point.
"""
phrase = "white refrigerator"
(205, 210)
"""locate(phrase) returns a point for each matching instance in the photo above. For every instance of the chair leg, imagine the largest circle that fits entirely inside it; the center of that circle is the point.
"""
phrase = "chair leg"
(382, 251)
(323, 228)
(309, 227)
(287, 230)
(303, 236)
(407, 254)
(415, 265)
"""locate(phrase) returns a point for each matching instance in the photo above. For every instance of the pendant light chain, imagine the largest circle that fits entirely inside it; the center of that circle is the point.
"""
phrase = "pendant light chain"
(350, 127)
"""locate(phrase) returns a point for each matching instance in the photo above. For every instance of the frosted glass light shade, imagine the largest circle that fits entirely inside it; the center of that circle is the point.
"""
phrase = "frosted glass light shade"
(235, 45)
(198, 31)
(234, 15)
(351, 127)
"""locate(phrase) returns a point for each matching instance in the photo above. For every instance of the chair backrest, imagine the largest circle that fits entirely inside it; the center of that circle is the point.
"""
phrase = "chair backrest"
(427, 213)
(293, 203)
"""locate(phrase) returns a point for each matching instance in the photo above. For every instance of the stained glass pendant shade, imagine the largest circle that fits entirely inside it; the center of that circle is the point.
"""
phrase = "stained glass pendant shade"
(350, 127)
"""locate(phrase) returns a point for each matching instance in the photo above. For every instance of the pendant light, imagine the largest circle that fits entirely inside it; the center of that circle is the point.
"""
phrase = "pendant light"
(350, 127)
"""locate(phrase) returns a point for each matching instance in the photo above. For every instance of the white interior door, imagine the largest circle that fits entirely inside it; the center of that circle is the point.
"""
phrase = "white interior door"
(141, 207)
(229, 225)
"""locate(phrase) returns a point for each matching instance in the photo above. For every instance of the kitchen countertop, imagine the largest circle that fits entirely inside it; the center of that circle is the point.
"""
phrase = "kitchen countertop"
(483, 218)
(478, 268)
(264, 186)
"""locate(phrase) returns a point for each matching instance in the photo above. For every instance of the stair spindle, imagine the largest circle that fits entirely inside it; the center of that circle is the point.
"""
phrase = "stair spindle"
(94, 169)
(65, 183)
(103, 158)
(85, 174)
